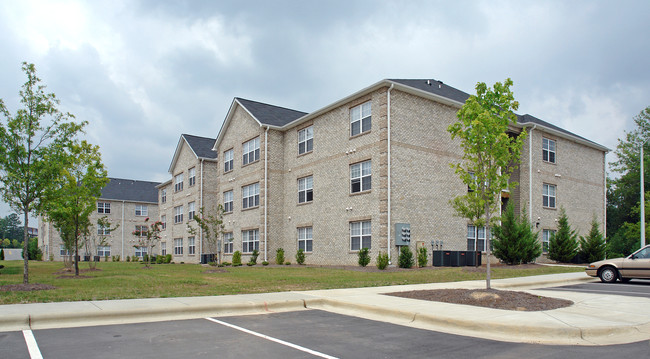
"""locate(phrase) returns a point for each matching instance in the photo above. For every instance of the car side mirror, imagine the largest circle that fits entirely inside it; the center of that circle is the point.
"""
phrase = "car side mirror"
(632, 257)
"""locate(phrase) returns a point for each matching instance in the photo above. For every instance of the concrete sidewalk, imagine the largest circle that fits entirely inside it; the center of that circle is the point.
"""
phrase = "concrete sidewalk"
(594, 319)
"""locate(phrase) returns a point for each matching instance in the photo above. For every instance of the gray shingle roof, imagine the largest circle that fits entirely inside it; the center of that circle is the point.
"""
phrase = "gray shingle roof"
(202, 146)
(120, 189)
(269, 114)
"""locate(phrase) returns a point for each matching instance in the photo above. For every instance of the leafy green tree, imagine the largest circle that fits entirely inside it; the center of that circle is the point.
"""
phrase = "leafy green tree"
(148, 238)
(75, 198)
(211, 227)
(514, 240)
(592, 247)
(31, 143)
(489, 153)
(15, 243)
(6, 243)
(405, 257)
(624, 241)
(10, 227)
(563, 246)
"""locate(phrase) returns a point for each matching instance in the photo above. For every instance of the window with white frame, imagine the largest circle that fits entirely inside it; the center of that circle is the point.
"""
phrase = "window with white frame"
(251, 150)
(228, 160)
(227, 243)
(178, 182)
(163, 248)
(191, 246)
(104, 251)
(140, 251)
(227, 201)
(64, 251)
(163, 222)
(140, 231)
(475, 238)
(548, 195)
(141, 210)
(305, 240)
(548, 150)
(250, 196)
(306, 189)
(178, 214)
(103, 207)
(178, 246)
(191, 176)
(103, 230)
(547, 234)
(306, 140)
(360, 118)
(360, 177)
(250, 240)
(163, 195)
(360, 235)
(190, 211)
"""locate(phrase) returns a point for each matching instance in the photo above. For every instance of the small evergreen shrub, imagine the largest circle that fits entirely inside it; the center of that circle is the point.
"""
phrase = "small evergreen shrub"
(422, 257)
(265, 263)
(279, 256)
(134, 259)
(145, 258)
(405, 257)
(168, 258)
(2, 254)
(563, 246)
(160, 259)
(514, 241)
(300, 256)
(250, 264)
(253, 260)
(236, 259)
(592, 248)
(128, 259)
(382, 260)
(364, 257)
(287, 263)
(227, 264)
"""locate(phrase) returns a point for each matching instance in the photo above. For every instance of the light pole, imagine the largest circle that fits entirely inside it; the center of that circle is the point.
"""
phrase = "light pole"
(642, 201)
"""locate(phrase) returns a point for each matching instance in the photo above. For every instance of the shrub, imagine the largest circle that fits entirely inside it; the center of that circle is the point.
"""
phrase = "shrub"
(422, 257)
(514, 241)
(562, 247)
(105, 258)
(227, 264)
(2, 254)
(236, 259)
(364, 257)
(160, 259)
(592, 248)
(265, 263)
(32, 249)
(213, 264)
(382, 260)
(145, 258)
(51, 257)
(279, 256)
(300, 256)
(287, 263)
(405, 257)
(128, 259)
(168, 258)
(253, 260)
(135, 259)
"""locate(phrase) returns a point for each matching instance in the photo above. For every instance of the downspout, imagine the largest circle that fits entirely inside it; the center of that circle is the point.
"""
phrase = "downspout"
(201, 207)
(605, 197)
(122, 230)
(530, 172)
(388, 248)
(266, 190)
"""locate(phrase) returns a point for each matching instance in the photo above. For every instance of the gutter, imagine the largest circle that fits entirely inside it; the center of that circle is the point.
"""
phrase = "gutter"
(388, 248)
(530, 172)
(122, 231)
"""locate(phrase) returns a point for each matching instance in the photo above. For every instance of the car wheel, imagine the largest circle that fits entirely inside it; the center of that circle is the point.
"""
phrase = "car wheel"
(608, 275)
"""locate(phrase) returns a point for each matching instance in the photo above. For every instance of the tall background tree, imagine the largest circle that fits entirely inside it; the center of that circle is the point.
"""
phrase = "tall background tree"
(623, 191)
(490, 153)
(211, 226)
(30, 150)
(74, 198)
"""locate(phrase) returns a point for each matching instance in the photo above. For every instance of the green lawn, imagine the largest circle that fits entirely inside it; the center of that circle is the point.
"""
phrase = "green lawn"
(121, 280)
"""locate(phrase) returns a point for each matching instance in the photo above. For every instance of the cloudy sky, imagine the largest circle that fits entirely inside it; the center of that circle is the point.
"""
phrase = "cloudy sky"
(144, 72)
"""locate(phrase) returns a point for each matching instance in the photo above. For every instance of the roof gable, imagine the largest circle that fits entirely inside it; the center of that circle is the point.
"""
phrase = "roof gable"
(269, 114)
(120, 189)
(201, 148)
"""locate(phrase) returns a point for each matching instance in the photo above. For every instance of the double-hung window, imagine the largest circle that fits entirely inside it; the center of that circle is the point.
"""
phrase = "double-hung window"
(548, 150)
(250, 240)
(163, 195)
(141, 210)
(360, 235)
(360, 177)
(227, 201)
(104, 251)
(103, 207)
(228, 160)
(163, 248)
(547, 234)
(475, 238)
(250, 196)
(191, 176)
(305, 240)
(306, 140)
(103, 230)
(548, 195)
(251, 150)
(140, 251)
(190, 211)
(360, 118)
(64, 251)
(191, 246)
(227, 243)
(140, 231)
(178, 182)
(178, 246)
(178, 214)
(306, 189)
(163, 222)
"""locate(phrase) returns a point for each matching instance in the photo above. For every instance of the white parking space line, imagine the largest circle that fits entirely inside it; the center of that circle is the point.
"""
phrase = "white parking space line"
(641, 294)
(298, 347)
(32, 346)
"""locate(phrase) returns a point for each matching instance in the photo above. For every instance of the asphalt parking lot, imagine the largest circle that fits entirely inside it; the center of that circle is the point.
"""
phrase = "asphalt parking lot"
(634, 288)
(300, 334)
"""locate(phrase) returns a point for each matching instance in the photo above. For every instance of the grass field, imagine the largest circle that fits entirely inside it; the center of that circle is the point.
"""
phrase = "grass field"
(121, 280)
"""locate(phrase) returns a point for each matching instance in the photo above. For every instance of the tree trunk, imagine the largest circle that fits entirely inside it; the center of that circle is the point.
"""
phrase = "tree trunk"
(26, 249)
(487, 244)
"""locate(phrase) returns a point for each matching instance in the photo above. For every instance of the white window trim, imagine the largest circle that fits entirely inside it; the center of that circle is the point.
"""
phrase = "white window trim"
(104, 206)
(228, 160)
(143, 209)
(360, 118)
(548, 151)
(178, 246)
(178, 182)
(251, 149)
(178, 214)
(248, 237)
(361, 178)
(191, 211)
(191, 176)
(476, 237)
(546, 194)
(305, 188)
(228, 199)
(191, 246)
(250, 193)
(306, 135)
(228, 243)
(546, 239)
(306, 235)
(362, 235)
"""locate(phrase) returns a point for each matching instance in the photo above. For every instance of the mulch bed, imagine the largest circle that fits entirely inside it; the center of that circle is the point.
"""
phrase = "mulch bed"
(497, 299)
(25, 287)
